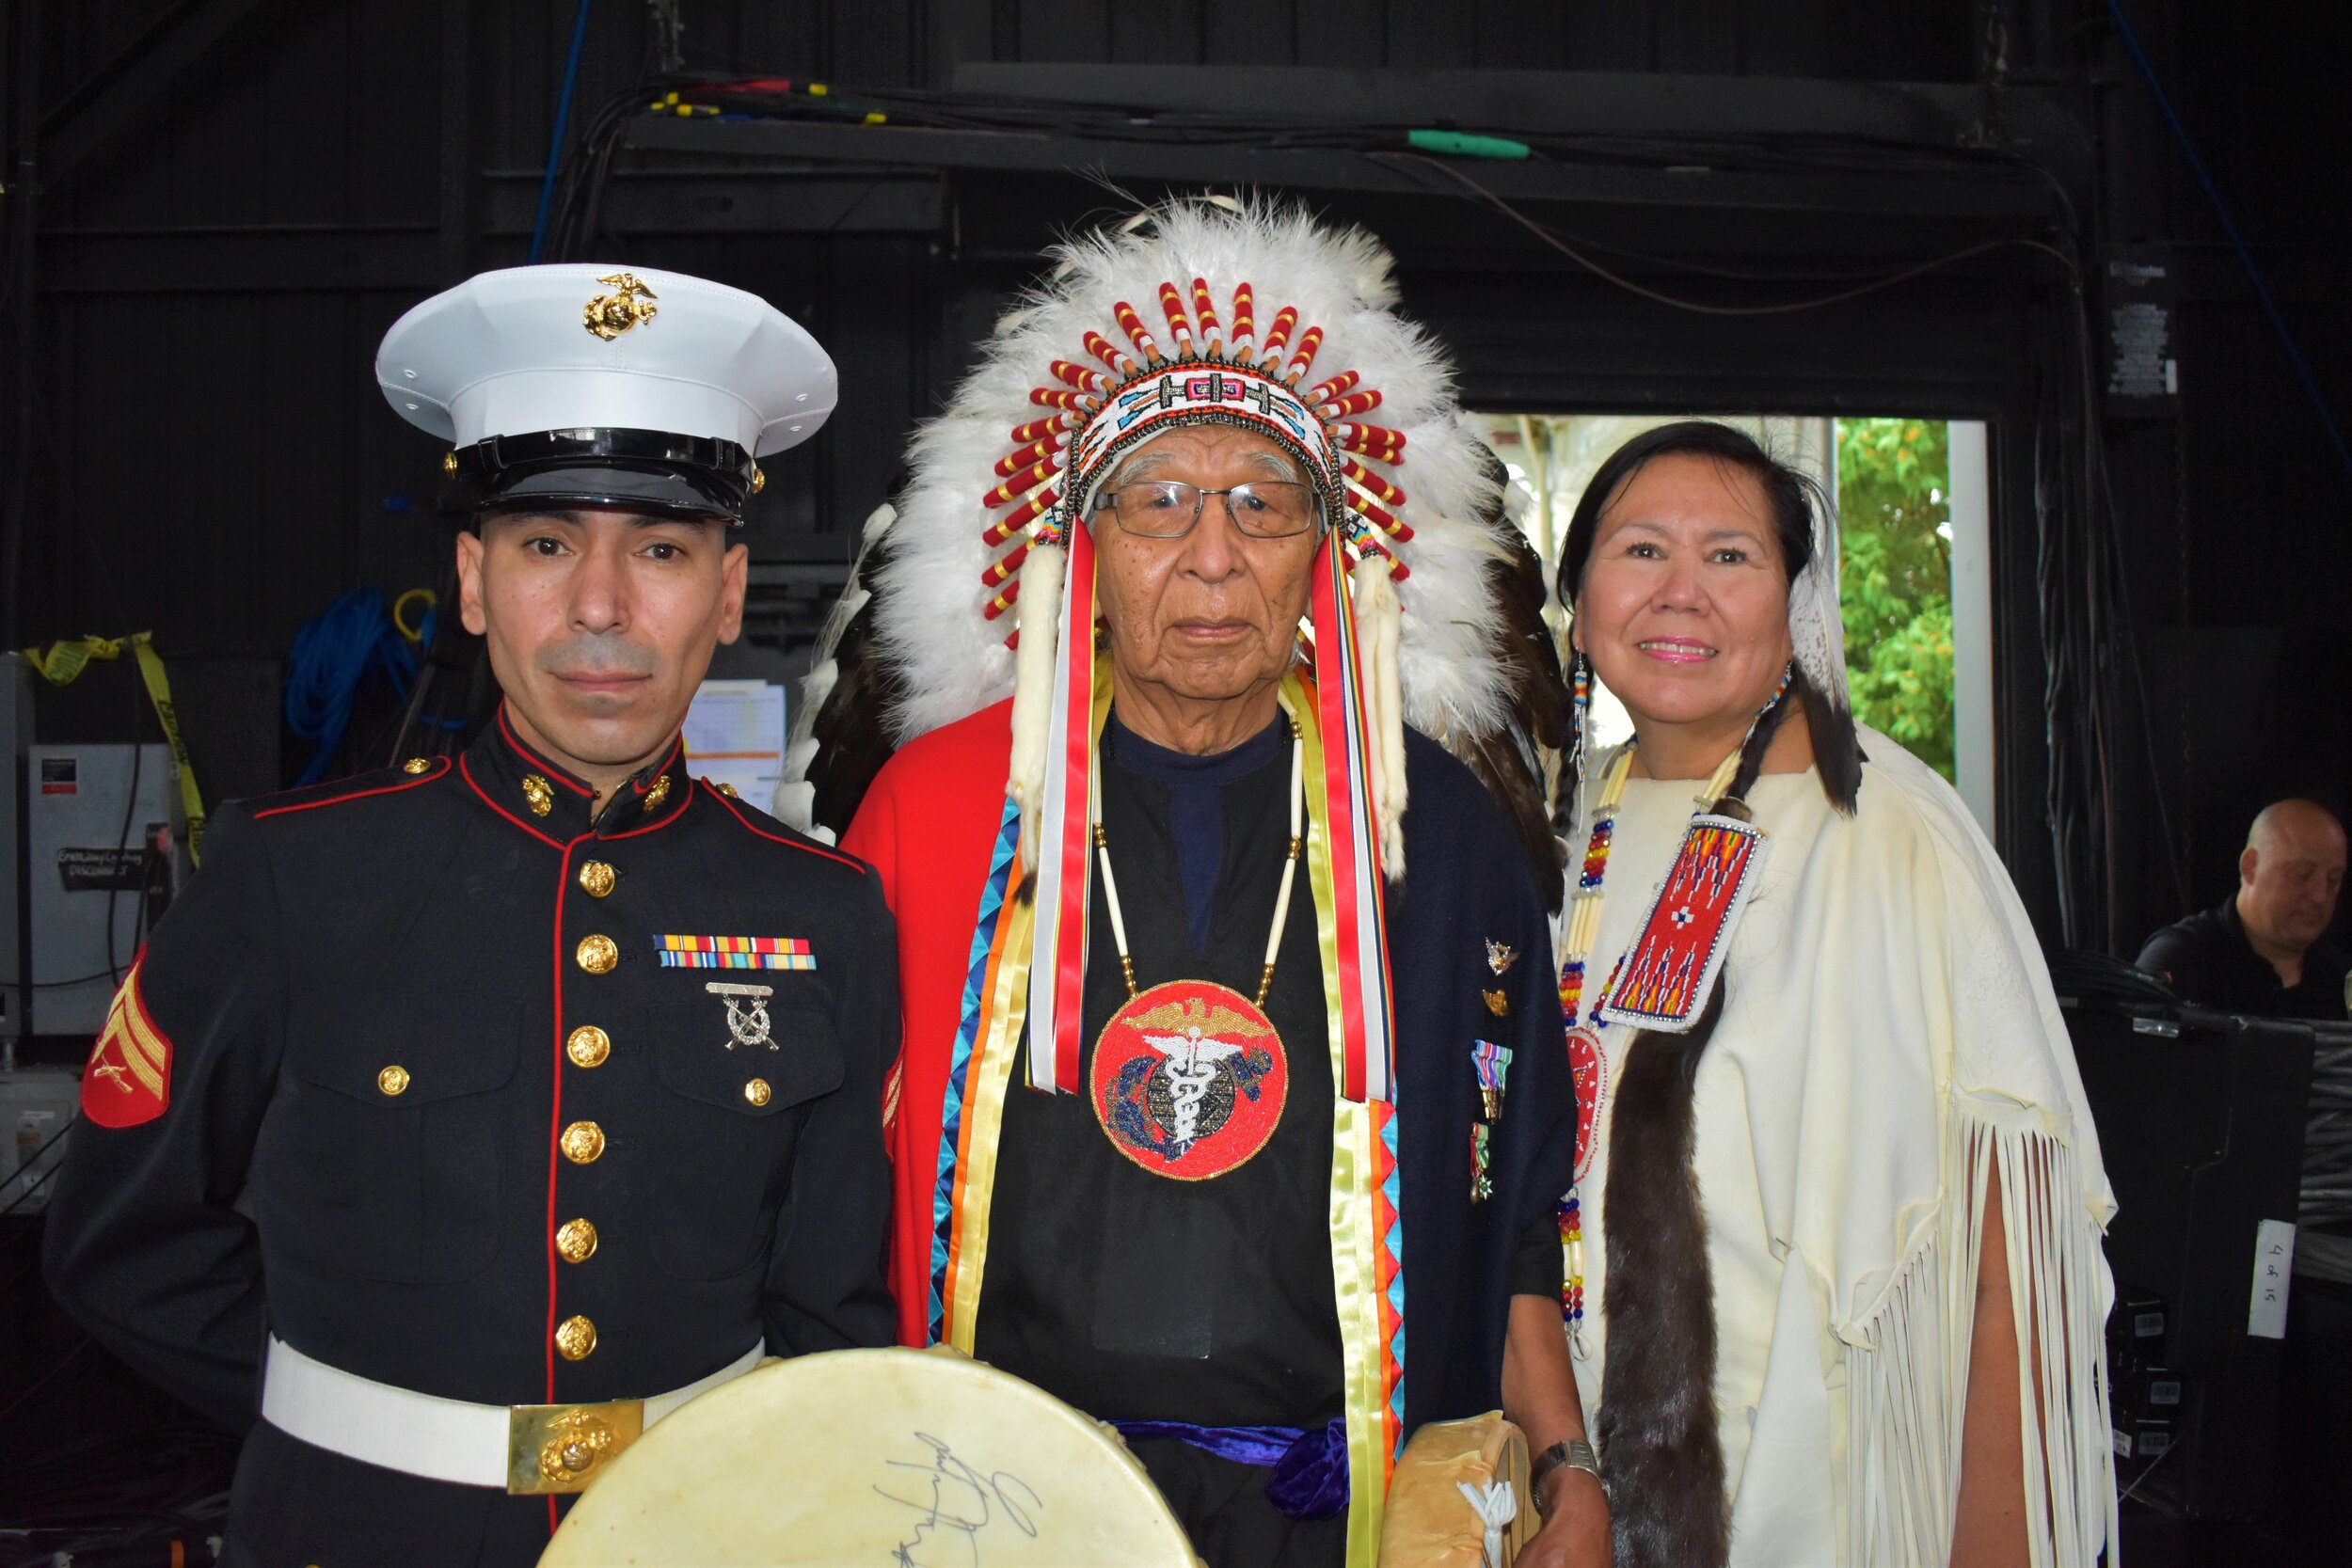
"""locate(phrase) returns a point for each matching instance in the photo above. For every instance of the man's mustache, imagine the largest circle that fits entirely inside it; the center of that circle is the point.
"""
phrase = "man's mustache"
(595, 659)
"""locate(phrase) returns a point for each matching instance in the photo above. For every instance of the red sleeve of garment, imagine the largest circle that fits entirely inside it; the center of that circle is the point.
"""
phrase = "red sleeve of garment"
(926, 827)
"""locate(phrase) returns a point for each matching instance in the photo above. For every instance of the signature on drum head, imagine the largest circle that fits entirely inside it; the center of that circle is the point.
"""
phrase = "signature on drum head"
(953, 1503)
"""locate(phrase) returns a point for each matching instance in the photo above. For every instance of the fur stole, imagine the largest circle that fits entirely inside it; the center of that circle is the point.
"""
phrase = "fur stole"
(1663, 1457)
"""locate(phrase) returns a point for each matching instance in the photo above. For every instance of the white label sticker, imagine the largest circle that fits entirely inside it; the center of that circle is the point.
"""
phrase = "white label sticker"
(2153, 1444)
(2274, 1270)
(2123, 1445)
(2148, 1325)
(2161, 1392)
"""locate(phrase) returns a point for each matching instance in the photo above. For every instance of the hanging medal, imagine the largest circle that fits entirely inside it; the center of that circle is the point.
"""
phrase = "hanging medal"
(1189, 1077)
(1492, 1064)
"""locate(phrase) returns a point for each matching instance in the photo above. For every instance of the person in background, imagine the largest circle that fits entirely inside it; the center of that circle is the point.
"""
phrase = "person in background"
(2264, 948)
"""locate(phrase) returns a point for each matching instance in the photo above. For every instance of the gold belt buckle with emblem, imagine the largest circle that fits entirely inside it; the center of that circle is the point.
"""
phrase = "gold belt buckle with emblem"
(561, 1447)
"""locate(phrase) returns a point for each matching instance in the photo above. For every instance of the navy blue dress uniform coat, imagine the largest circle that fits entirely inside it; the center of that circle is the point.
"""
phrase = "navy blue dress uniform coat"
(404, 1080)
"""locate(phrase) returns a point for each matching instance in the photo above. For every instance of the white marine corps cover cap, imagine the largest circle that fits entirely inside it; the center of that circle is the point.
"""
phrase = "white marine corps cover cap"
(596, 385)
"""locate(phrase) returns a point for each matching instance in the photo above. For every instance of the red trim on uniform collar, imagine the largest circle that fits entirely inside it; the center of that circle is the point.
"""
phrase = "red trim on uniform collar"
(673, 805)
(558, 775)
(677, 753)
(466, 770)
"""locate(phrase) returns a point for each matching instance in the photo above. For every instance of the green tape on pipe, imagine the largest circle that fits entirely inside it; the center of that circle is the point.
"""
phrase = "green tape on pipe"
(1457, 144)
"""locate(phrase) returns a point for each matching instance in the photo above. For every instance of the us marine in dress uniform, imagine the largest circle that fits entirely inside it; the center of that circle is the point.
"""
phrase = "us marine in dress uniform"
(465, 1117)
(1235, 1107)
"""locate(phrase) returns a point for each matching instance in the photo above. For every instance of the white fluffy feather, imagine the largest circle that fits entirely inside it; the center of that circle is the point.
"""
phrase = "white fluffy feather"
(927, 618)
(1039, 603)
(1378, 629)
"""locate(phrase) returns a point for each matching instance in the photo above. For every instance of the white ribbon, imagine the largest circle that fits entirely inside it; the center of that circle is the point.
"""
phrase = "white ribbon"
(1496, 1507)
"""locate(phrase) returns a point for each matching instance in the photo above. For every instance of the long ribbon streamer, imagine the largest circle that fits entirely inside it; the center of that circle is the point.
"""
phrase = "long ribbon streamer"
(1366, 1012)
(1064, 891)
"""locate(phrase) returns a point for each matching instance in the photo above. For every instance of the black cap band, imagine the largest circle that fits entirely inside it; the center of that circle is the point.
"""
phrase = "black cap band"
(640, 470)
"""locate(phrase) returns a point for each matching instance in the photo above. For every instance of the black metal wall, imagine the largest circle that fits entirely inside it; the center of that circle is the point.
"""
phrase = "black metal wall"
(221, 248)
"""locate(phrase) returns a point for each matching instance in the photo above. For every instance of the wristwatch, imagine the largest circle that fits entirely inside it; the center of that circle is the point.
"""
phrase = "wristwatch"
(1573, 1453)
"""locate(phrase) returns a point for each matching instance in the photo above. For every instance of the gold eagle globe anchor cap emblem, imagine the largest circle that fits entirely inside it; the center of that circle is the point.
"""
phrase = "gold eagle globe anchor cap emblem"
(629, 305)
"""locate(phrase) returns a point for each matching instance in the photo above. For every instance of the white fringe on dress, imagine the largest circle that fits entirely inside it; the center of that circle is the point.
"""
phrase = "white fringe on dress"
(1907, 1386)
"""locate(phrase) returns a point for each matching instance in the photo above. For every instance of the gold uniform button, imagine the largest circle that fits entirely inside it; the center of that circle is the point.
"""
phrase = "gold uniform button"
(576, 1243)
(595, 878)
(756, 1092)
(417, 765)
(588, 1046)
(582, 1143)
(539, 794)
(575, 1338)
(597, 955)
(730, 791)
(393, 1078)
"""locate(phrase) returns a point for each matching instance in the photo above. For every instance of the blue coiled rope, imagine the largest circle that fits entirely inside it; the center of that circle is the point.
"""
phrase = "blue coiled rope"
(333, 656)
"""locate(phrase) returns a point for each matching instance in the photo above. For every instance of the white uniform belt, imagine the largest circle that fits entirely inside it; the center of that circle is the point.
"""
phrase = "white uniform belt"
(520, 1448)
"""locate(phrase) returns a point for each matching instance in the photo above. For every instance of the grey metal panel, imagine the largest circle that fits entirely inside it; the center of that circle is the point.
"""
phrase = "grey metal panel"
(76, 965)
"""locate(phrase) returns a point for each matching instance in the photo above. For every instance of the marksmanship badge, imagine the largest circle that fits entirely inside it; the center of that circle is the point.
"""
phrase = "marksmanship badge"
(747, 1012)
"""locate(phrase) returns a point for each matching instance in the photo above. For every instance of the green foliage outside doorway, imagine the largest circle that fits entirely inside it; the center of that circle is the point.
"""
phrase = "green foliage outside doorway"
(1894, 503)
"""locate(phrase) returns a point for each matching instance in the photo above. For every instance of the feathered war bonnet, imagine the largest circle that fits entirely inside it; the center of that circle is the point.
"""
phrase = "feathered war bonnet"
(1204, 311)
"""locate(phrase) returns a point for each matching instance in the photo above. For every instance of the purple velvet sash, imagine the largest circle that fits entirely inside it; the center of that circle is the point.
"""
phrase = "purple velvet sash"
(1310, 1480)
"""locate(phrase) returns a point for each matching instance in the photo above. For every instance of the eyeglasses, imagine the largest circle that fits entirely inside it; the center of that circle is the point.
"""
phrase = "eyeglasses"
(1166, 509)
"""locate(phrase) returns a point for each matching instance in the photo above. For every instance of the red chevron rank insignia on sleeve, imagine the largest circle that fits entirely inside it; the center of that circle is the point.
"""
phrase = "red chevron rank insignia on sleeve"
(1664, 980)
(129, 1077)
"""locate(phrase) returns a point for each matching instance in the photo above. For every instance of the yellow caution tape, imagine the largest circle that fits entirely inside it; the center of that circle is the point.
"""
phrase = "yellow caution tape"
(64, 663)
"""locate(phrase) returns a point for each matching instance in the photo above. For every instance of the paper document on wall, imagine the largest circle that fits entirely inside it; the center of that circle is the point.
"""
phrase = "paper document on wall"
(2274, 1270)
(734, 736)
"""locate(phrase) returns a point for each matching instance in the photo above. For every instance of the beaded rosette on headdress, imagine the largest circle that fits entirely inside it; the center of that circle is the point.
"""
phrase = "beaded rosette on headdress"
(1200, 311)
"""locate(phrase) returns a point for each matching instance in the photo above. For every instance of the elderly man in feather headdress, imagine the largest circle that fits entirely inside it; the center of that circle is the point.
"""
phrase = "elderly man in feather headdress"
(1233, 1107)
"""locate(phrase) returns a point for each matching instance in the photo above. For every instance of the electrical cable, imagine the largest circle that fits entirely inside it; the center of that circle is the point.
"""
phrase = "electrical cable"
(122, 844)
(32, 1184)
(334, 653)
(1700, 307)
(563, 113)
(2229, 227)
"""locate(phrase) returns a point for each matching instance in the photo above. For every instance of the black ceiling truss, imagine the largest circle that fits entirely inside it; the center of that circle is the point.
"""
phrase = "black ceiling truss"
(1724, 243)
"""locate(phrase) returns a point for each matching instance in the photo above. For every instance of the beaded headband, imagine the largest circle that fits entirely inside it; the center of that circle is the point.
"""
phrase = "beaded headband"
(1057, 460)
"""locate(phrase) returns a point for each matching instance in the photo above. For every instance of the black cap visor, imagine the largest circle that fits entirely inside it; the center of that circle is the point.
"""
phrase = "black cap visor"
(631, 471)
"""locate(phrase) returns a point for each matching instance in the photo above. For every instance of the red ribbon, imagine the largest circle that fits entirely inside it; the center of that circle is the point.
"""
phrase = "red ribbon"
(1335, 694)
(1070, 932)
